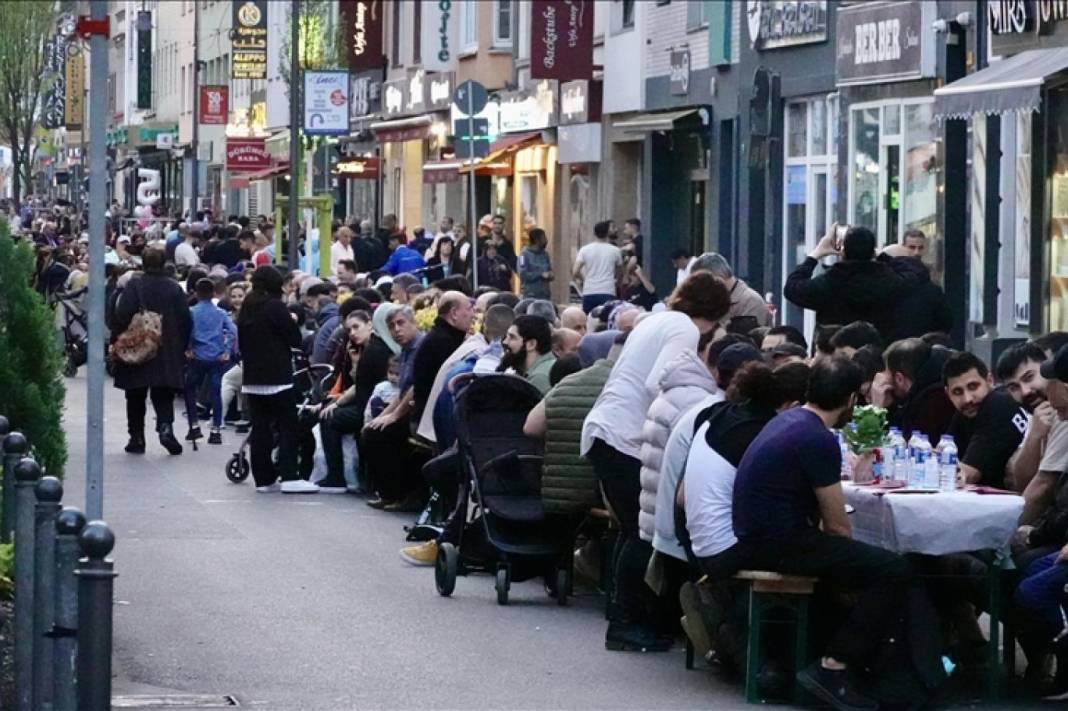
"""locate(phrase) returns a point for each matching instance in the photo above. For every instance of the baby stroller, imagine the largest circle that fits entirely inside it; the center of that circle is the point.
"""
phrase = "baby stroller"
(505, 530)
(72, 323)
(311, 382)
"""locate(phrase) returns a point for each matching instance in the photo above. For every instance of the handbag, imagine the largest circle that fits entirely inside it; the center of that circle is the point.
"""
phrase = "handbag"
(139, 343)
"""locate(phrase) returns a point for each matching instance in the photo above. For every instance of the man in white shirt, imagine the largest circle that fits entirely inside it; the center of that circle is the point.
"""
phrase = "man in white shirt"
(683, 262)
(598, 267)
(185, 254)
(341, 248)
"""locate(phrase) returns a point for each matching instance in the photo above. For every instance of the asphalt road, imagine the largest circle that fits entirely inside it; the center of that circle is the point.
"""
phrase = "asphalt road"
(301, 602)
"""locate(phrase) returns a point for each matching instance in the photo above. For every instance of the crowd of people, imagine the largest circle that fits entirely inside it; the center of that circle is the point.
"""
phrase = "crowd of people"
(700, 425)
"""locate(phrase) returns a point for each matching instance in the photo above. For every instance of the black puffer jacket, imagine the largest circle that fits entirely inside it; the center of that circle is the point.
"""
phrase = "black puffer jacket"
(851, 291)
(157, 292)
(922, 307)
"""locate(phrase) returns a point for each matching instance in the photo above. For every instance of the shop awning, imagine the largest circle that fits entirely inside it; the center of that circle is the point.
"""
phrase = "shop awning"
(1013, 84)
(273, 172)
(664, 121)
(406, 129)
(500, 151)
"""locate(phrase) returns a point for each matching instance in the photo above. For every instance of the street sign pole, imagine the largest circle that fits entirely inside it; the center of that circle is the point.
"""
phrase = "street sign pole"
(295, 89)
(473, 234)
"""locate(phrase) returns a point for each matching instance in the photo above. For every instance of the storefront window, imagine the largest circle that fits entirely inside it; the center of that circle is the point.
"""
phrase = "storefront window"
(797, 142)
(921, 169)
(865, 168)
(1058, 212)
(1021, 303)
(892, 120)
(819, 127)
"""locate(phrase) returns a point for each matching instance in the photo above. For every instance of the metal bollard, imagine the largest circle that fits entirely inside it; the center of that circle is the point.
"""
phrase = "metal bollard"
(49, 491)
(15, 448)
(26, 474)
(69, 525)
(96, 578)
(5, 428)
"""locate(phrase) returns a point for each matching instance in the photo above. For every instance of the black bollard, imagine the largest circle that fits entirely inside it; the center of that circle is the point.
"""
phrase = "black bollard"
(49, 491)
(96, 579)
(26, 475)
(15, 448)
(69, 525)
(5, 428)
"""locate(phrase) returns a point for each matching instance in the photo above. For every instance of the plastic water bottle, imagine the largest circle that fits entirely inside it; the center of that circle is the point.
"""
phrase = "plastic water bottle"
(847, 470)
(914, 474)
(899, 456)
(947, 464)
(931, 471)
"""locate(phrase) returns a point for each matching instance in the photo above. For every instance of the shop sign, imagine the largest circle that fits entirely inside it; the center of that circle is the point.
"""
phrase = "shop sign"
(214, 106)
(441, 175)
(1018, 25)
(244, 155)
(394, 97)
(55, 99)
(249, 39)
(529, 109)
(580, 102)
(416, 83)
(356, 168)
(439, 91)
(144, 59)
(884, 42)
(561, 45)
(580, 144)
(786, 23)
(74, 109)
(364, 96)
(680, 71)
(440, 21)
(326, 103)
(361, 22)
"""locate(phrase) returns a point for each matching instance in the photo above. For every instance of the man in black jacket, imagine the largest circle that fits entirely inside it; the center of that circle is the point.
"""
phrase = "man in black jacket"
(920, 400)
(455, 314)
(860, 287)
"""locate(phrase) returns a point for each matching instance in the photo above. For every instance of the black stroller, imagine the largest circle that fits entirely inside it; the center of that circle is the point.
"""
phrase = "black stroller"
(72, 322)
(312, 383)
(504, 529)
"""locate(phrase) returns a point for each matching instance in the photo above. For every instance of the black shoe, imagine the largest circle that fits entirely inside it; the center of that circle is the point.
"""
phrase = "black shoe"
(378, 502)
(622, 637)
(136, 445)
(242, 426)
(326, 486)
(168, 440)
(193, 434)
(215, 437)
(834, 687)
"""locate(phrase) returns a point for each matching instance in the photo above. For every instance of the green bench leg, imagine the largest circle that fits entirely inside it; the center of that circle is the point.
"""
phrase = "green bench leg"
(993, 679)
(801, 650)
(754, 656)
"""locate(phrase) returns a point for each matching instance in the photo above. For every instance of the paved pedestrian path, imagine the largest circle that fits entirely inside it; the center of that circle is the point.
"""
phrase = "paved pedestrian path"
(303, 603)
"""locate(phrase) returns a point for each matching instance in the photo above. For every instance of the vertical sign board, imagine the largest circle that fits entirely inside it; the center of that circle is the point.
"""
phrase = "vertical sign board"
(55, 68)
(144, 59)
(561, 39)
(440, 34)
(326, 103)
(361, 27)
(249, 39)
(214, 105)
(74, 106)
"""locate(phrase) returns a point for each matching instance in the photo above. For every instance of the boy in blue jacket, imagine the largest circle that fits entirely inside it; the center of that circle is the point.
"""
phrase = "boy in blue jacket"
(210, 349)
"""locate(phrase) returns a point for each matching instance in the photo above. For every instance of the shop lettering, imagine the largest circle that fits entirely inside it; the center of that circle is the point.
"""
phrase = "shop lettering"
(394, 100)
(443, 31)
(573, 102)
(573, 25)
(777, 23)
(1020, 16)
(549, 39)
(878, 42)
(359, 38)
(440, 90)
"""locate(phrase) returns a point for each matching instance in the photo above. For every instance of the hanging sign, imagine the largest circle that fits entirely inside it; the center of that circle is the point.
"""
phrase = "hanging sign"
(356, 168)
(326, 103)
(74, 107)
(786, 23)
(214, 106)
(561, 45)
(249, 37)
(440, 21)
(361, 25)
(244, 155)
(680, 71)
(144, 59)
(55, 66)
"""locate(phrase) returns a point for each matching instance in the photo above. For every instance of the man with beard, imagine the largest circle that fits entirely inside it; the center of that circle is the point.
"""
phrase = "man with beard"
(787, 483)
(528, 350)
(989, 424)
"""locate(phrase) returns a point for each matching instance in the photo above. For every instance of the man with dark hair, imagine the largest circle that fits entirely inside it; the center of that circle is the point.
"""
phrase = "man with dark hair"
(528, 350)
(915, 242)
(920, 400)
(346, 271)
(683, 259)
(989, 424)
(852, 337)
(632, 233)
(788, 481)
(778, 335)
(598, 268)
(402, 259)
(1052, 342)
(859, 287)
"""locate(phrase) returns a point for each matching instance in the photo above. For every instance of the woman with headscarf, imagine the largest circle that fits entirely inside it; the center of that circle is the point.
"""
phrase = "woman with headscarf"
(268, 333)
(372, 368)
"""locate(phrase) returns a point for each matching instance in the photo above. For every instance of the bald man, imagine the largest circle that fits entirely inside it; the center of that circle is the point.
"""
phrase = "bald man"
(564, 341)
(455, 314)
(629, 319)
(573, 318)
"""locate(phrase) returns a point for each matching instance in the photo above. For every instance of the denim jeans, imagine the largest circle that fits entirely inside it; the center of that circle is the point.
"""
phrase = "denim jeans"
(196, 372)
(1042, 601)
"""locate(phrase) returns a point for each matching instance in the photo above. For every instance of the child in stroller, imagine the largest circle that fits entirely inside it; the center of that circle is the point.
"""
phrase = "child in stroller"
(312, 383)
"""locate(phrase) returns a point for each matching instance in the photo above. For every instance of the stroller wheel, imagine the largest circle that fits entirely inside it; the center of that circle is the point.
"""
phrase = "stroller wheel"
(445, 569)
(563, 585)
(69, 368)
(503, 583)
(237, 469)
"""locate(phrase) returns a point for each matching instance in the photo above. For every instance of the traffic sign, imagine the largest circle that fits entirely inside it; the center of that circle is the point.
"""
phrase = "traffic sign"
(465, 148)
(479, 128)
(470, 97)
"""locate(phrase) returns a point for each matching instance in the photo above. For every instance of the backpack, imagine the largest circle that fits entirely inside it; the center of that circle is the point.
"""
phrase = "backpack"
(139, 343)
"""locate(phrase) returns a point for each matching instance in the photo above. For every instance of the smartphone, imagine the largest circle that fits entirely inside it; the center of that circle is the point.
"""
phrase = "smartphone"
(839, 236)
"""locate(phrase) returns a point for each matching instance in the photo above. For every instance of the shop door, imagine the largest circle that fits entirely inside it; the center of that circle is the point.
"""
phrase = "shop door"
(808, 214)
(890, 195)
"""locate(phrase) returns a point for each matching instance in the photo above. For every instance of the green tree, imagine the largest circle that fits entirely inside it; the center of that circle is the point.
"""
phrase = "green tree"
(24, 27)
(31, 364)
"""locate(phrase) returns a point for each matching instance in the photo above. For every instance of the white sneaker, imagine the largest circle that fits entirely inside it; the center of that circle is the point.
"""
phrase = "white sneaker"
(269, 489)
(299, 486)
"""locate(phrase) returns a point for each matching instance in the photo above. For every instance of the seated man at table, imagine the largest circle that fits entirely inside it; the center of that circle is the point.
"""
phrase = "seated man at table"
(920, 401)
(989, 424)
(789, 517)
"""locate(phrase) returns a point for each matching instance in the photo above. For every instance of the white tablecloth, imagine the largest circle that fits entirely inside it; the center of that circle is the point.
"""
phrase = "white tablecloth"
(935, 524)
